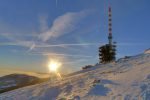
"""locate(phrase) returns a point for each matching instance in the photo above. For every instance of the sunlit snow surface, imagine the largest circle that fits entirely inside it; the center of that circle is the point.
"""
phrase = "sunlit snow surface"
(127, 79)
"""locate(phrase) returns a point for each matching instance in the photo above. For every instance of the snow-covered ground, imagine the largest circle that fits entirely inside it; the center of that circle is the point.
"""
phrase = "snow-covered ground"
(127, 79)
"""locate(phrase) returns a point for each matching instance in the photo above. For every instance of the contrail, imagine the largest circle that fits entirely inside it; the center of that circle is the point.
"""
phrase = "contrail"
(56, 2)
(61, 45)
(31, 45)
(8, 44)
(132, 44)
(59, 54)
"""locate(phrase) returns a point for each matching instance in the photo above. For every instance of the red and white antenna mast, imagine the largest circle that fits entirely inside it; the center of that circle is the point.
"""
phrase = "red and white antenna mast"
(110, 25)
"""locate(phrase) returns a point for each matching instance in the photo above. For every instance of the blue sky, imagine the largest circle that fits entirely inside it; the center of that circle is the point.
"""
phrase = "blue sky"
(34, 31)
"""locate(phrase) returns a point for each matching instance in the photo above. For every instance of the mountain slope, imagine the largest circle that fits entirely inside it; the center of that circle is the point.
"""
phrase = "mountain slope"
(127, 79)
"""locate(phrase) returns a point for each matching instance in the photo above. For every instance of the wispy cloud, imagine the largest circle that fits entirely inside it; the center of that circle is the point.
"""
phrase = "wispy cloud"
(17, 40)
(64, 45)
(59, 54)
(77, 61)
(63, 24)
(43, 18)
(27, 44)
(131, 44)
(31, 44)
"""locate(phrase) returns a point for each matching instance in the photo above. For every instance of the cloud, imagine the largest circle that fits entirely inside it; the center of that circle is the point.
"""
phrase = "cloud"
(77, 61)
(33, 45)
(43, 18)
(59, 54)
(27, 44)
(17, 40)
(63, 24)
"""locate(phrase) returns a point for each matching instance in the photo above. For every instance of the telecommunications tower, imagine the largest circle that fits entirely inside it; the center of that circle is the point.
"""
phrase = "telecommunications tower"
(107, 52)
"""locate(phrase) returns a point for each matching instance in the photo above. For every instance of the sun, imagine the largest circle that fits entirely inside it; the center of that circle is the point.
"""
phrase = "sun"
(54, 65)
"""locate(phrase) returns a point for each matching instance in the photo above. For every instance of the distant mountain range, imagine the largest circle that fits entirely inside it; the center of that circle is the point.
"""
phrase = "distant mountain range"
(15, 81)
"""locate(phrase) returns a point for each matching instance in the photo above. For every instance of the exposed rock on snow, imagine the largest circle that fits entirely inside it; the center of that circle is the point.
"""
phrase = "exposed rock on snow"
(147, 51)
